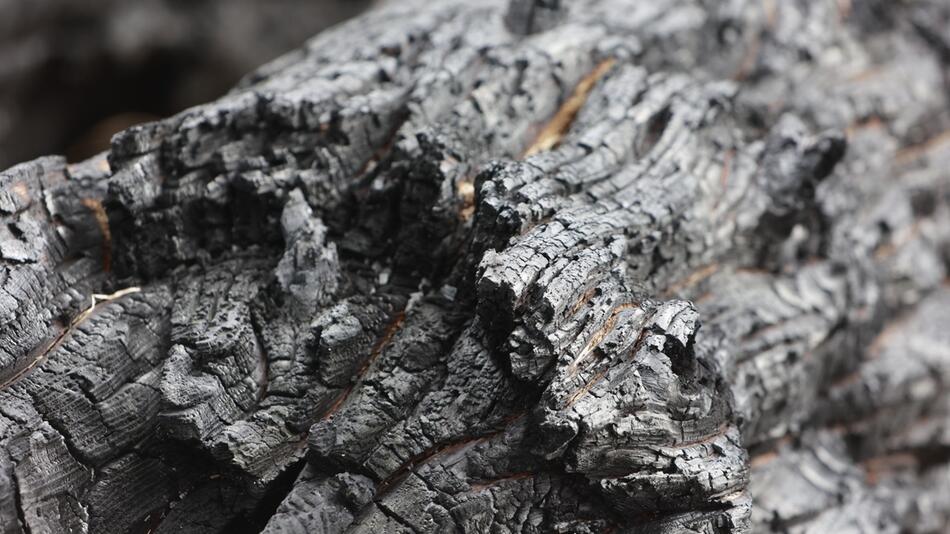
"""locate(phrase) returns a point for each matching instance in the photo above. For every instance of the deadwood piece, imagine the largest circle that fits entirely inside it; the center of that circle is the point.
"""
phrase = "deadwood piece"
(493, 267)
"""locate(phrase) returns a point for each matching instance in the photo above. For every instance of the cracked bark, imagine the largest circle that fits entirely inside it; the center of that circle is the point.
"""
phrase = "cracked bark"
(448, 268)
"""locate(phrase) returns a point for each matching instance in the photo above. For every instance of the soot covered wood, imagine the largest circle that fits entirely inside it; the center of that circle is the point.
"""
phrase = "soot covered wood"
(539, 266)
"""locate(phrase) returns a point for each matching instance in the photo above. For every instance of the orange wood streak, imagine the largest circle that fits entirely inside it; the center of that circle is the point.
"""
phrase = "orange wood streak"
(554, 130)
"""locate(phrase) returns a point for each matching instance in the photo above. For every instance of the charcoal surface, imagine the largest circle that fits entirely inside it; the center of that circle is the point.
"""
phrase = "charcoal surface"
(504, 266)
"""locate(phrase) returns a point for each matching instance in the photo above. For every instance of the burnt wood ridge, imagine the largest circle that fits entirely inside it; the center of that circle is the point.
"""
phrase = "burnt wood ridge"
(527, 266)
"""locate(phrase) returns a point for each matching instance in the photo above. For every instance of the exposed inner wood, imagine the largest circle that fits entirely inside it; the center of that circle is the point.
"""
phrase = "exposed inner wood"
(554, 130)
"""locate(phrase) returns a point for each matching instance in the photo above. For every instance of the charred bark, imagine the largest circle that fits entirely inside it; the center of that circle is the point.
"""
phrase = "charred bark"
(480, 267)
(76, 71)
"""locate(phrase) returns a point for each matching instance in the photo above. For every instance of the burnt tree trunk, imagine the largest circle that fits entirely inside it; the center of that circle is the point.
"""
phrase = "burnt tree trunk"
(609, 266)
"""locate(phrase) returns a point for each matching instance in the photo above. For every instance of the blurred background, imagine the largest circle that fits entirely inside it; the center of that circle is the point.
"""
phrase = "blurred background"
(73, 72)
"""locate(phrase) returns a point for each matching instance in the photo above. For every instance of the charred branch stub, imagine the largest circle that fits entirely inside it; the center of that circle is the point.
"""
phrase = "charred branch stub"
(492, 267)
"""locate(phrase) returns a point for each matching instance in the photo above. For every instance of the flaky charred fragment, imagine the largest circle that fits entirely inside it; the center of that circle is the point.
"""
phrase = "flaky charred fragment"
(478, 267)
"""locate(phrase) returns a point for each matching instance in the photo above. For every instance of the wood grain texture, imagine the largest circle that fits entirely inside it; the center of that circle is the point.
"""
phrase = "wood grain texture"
(534, 266)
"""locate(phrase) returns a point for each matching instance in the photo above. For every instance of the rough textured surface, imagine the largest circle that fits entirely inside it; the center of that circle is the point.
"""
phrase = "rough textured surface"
(502, 267)
(76, 71)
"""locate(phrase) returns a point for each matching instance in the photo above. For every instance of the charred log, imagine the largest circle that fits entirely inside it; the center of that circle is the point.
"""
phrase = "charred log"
(480, 267)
